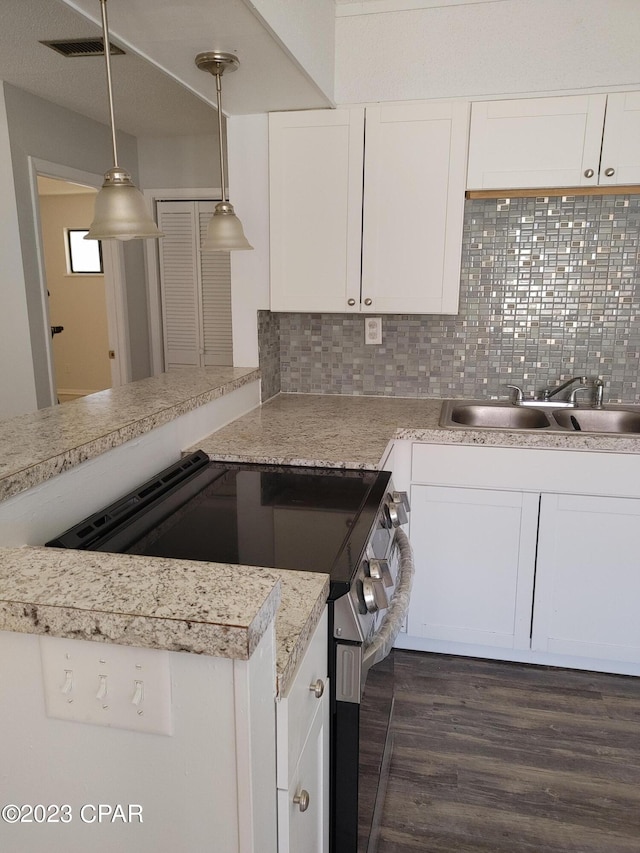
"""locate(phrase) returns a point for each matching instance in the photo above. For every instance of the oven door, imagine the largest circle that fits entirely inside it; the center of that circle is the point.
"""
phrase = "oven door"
(361, 738)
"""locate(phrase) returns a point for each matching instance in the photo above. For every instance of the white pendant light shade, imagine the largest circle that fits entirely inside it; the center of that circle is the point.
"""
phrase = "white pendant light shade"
(121, 211)
(224, 232)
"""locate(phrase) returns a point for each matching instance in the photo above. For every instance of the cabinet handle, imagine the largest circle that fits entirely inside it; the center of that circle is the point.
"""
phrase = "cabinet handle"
(368, 301)
(351, 301)
(302, 800)
(317, 688)
(589, 173)
(609, 172)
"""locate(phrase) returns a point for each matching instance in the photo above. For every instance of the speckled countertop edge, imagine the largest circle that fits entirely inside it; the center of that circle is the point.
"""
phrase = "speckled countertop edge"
(179, 605)
(304, 597)
(353, 432)
(202, 608)
(38, 446)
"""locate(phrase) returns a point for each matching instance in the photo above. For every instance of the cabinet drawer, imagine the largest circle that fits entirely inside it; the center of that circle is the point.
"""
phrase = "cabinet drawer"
(524, 469)
(297, 708)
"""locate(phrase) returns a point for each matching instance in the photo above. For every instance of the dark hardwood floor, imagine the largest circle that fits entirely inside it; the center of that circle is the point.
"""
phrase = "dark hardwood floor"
(493, 757)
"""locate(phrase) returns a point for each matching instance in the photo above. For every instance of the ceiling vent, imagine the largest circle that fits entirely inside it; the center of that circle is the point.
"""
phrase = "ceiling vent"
(81, 47)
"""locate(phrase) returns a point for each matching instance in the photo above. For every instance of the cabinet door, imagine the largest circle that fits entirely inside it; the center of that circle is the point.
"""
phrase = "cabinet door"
(475, 556)
(621, 141)
(414, 180)
(535, 142)
(587, 578)
(315, 173)
(308, 831)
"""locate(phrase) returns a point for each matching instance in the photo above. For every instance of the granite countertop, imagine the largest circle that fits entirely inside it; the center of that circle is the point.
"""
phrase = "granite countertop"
(37, 446)
(203, 608)
(353, 432)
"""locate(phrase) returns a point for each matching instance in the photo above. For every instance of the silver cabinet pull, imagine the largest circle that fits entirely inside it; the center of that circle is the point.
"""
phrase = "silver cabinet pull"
(609, 172)
(351, 301)
(302, 800)
(589, 173)
(368, 301)
(317, 688)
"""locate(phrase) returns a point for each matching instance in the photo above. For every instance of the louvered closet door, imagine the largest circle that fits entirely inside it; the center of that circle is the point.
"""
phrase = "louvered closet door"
(215, 288)
(195, 289)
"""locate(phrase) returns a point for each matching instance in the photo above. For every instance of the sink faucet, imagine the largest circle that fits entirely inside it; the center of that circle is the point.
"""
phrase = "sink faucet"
(571, 401)
(548, 393)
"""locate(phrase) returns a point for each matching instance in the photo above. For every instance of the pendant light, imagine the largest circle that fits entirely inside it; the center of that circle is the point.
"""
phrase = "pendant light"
(224, 232)
(120, 211)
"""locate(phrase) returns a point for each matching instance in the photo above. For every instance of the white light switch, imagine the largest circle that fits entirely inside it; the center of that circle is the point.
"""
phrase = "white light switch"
(118, 686)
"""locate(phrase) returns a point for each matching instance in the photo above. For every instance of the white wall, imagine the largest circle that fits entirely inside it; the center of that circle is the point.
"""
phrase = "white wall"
(45, 131)
(187, 783)
(17, 385)
(306, 30)
(248, 144)
(179, 161)
(483, 49)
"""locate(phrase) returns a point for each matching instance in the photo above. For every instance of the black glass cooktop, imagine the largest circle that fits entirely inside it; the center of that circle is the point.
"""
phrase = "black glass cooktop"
(308, 519)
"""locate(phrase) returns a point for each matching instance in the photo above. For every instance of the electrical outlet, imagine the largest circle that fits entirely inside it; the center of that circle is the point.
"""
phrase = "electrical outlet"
(107, 685)
(373, 330)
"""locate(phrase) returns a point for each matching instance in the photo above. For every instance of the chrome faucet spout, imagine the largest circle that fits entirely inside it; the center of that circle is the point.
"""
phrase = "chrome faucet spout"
(548, 393)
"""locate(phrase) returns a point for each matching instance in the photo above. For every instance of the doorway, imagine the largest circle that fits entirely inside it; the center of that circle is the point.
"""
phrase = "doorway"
(85, 313)
(76, 292)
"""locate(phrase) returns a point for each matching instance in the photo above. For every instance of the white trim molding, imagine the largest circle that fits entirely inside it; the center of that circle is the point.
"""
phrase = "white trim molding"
(114, 276)
(378, 7)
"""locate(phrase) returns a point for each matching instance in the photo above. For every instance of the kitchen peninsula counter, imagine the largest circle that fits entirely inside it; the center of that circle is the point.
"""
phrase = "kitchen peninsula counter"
(335, 431)
(40, 445)
(178, 605)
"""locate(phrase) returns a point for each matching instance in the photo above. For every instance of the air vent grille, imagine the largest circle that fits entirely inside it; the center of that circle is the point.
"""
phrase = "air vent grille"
(81, 47)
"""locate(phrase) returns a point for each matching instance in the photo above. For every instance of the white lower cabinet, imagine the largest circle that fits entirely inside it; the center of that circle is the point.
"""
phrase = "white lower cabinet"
(541, 573)
(302, 718)
(303, 807)
(475, 561)
(587, 579)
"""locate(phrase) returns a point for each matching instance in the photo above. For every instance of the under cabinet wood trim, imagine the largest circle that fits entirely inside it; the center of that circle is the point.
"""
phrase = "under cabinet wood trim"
(628, 189)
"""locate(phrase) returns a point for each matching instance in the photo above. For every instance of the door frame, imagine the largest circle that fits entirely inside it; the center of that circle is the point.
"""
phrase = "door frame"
(114, 277)
(152, 260)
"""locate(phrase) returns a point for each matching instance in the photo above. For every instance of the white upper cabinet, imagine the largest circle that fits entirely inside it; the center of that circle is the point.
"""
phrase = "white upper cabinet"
(371, 226)
(555, 142)
(620, 163)
(414, 182)
(315, 189)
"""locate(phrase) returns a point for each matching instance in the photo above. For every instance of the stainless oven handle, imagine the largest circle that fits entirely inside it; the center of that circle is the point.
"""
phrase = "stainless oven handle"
(379, 646)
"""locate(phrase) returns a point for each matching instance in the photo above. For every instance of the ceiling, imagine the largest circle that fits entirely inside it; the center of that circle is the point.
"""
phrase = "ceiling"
(174, 99)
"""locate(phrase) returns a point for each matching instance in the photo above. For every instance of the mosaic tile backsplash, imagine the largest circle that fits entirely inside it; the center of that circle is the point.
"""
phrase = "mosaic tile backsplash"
(550, 288)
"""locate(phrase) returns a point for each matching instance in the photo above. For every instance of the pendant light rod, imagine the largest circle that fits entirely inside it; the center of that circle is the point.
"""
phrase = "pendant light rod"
(120, 210)
(224, 232)
(220, 136)
(107, 60)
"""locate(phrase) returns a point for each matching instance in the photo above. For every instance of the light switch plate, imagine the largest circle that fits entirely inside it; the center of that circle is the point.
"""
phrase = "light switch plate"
(107, 685)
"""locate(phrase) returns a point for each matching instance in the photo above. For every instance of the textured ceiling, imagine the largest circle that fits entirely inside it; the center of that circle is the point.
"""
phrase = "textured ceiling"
(148, 101)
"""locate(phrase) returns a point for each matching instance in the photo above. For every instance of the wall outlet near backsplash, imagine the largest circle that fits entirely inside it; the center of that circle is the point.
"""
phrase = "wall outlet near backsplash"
(549, 289)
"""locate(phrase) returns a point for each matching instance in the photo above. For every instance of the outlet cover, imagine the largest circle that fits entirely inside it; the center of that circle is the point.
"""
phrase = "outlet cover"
(373, 330)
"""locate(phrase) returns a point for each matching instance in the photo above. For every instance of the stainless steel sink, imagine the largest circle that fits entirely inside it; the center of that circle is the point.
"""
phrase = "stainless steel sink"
(502, 414)
(494, 416)
(599, 420)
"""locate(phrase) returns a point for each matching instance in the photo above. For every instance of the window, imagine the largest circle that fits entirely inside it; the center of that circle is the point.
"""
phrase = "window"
(84, 256)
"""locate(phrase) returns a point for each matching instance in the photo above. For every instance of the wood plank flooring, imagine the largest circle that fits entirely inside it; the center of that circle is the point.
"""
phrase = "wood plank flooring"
(492, 757)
